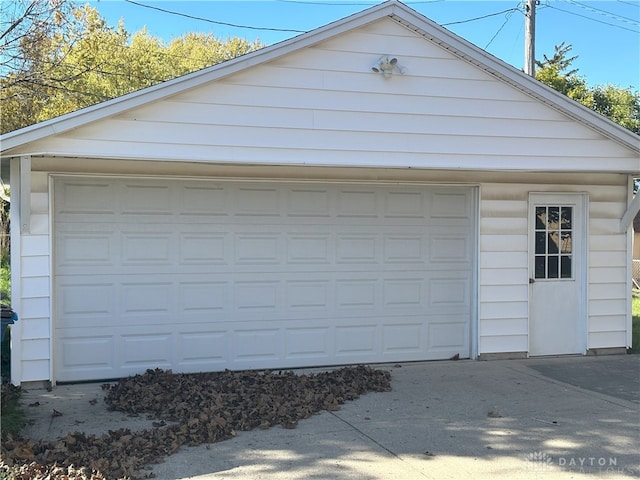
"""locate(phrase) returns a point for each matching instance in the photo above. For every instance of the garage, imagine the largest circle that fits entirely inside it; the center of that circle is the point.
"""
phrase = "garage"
(298, 206)
(201, 275)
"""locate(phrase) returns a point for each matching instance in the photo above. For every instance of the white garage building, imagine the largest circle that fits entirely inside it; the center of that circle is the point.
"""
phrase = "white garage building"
(293, 207)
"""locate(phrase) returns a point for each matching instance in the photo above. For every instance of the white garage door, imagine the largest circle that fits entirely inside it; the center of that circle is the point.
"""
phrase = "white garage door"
(203, 275)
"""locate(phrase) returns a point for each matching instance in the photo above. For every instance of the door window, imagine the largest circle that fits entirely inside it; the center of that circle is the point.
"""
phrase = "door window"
(553, 242)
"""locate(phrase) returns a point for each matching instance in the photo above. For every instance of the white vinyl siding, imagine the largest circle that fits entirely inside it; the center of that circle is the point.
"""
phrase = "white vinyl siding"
(306, 106)
(503, 267)
(504, 261)
(34, 309)
(504, 271)
(608, 269)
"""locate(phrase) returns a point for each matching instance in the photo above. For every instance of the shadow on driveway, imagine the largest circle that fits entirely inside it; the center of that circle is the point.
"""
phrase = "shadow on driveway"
(617, 376)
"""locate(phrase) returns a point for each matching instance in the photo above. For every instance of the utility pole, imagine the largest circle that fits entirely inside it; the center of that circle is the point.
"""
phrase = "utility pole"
(530, 38)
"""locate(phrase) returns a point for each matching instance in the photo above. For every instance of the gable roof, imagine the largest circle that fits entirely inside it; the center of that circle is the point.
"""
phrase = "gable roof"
(392, 9)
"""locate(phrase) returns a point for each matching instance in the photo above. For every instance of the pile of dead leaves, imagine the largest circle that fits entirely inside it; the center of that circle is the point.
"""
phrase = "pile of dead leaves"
(190, 409)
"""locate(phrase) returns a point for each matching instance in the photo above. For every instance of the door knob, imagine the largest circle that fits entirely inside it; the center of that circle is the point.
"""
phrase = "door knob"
(531, 280)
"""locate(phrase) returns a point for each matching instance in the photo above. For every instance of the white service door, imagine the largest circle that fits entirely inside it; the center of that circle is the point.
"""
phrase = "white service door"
(557, 271)
(195, 275)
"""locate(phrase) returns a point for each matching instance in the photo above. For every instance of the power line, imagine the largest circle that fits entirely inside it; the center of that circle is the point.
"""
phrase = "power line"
(202, 19)
(592, 19)
(482, 17)
(629, 3)
(605, 13)
(506, 20)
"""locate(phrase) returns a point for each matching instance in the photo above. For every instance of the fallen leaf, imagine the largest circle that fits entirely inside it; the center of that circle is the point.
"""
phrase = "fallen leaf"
(206, 408)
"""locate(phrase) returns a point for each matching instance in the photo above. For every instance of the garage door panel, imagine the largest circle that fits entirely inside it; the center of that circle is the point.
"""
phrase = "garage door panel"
(204, 297)
(357, 340)
(145, 198)
(257, 248)
(404, 205)
(203, 348)
(94, 351)
(90, 248)
(309, 248)
(86, 197)
(147, 298)
(357, 203)
(257, 344)
(202, 200)
(85, 298)
(451, 205)
(449, 248)
(88, 356)
(147, 350)
(203, 248)
(262, 296)
(258, 201)
(305, 295)
(451, 337)
(403, 293)
(406, 338)
(304, 203)
(408, 248)
(359, 248)
(199, 275)
(358, 294)
(450, 293)
(308, 341)
(147, 248)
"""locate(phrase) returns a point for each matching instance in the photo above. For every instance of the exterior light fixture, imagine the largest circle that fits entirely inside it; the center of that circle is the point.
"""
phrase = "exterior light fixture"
(386, 66)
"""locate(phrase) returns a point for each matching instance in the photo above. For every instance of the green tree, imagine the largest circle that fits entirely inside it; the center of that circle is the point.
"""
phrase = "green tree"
(74, 60)
(618, 104)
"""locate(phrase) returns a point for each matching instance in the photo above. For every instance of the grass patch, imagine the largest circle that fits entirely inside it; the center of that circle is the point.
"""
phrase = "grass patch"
(635, 325)
(5, 280)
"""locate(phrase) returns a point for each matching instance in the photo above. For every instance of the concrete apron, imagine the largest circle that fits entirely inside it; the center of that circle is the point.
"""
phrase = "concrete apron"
(510, 419)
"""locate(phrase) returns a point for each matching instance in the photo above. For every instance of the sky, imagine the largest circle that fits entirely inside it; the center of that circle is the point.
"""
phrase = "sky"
(605, 35)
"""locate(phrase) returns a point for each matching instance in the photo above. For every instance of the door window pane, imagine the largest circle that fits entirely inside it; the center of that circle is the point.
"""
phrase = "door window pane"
(552, 270)
(541, 243)
(540, 267)
(566, 214)
(541, 218)
(566, 242)
(553, 242)
(553, 217)
(565, 266)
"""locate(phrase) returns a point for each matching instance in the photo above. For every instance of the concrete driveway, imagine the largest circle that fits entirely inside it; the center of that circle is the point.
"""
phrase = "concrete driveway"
(555, 418)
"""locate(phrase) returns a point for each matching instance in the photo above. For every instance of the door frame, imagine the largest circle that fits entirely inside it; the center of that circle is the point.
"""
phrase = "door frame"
(580, 201)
